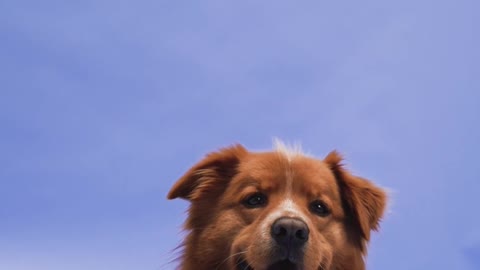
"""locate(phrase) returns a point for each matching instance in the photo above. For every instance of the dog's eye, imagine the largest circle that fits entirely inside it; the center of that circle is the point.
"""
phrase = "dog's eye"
(318, 207)
(255, 200)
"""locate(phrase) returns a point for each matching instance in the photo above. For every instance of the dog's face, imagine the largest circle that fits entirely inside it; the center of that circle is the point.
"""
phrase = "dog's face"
(276, 210)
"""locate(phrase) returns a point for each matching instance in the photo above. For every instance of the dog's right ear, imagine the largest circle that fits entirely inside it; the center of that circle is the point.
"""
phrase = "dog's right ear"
(215, 169)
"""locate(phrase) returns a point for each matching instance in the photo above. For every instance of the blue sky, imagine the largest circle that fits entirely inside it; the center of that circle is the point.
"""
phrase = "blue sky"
(104, 104)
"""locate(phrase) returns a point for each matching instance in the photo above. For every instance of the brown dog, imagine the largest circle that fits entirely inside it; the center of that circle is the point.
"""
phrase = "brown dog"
(276, 210)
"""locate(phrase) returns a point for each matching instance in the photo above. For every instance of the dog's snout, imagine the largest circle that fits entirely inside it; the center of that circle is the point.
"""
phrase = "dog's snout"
(290, 232)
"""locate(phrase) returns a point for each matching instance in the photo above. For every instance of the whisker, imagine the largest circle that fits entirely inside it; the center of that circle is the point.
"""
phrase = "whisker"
(232, 255)
(242, 261)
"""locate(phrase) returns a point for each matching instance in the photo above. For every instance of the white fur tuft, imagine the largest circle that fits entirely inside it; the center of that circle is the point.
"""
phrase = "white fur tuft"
(288, 150)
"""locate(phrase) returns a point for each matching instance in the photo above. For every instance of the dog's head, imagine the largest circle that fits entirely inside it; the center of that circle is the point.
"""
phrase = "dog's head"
(276, 210)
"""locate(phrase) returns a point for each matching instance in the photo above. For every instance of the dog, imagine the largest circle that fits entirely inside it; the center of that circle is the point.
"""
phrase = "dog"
(280, 209)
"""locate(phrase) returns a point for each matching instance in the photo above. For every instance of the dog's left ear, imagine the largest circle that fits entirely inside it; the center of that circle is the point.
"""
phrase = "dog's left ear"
(364, 202)
(209, 174)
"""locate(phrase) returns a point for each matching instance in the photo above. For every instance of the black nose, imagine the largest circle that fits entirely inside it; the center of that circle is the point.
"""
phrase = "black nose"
(290, 232)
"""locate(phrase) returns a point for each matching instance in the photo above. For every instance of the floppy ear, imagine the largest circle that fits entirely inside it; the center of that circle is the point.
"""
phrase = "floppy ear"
(208, 174)
(363, 201)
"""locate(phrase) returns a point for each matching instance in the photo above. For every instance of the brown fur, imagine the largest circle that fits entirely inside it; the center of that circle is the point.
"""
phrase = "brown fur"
(221, 230)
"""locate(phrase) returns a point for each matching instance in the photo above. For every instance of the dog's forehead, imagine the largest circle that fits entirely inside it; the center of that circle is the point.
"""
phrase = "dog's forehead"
(311, 170)
(277, 169)
(260, 165)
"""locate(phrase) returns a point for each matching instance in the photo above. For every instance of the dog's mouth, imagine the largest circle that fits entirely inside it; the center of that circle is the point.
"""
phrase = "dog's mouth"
(280, 265)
